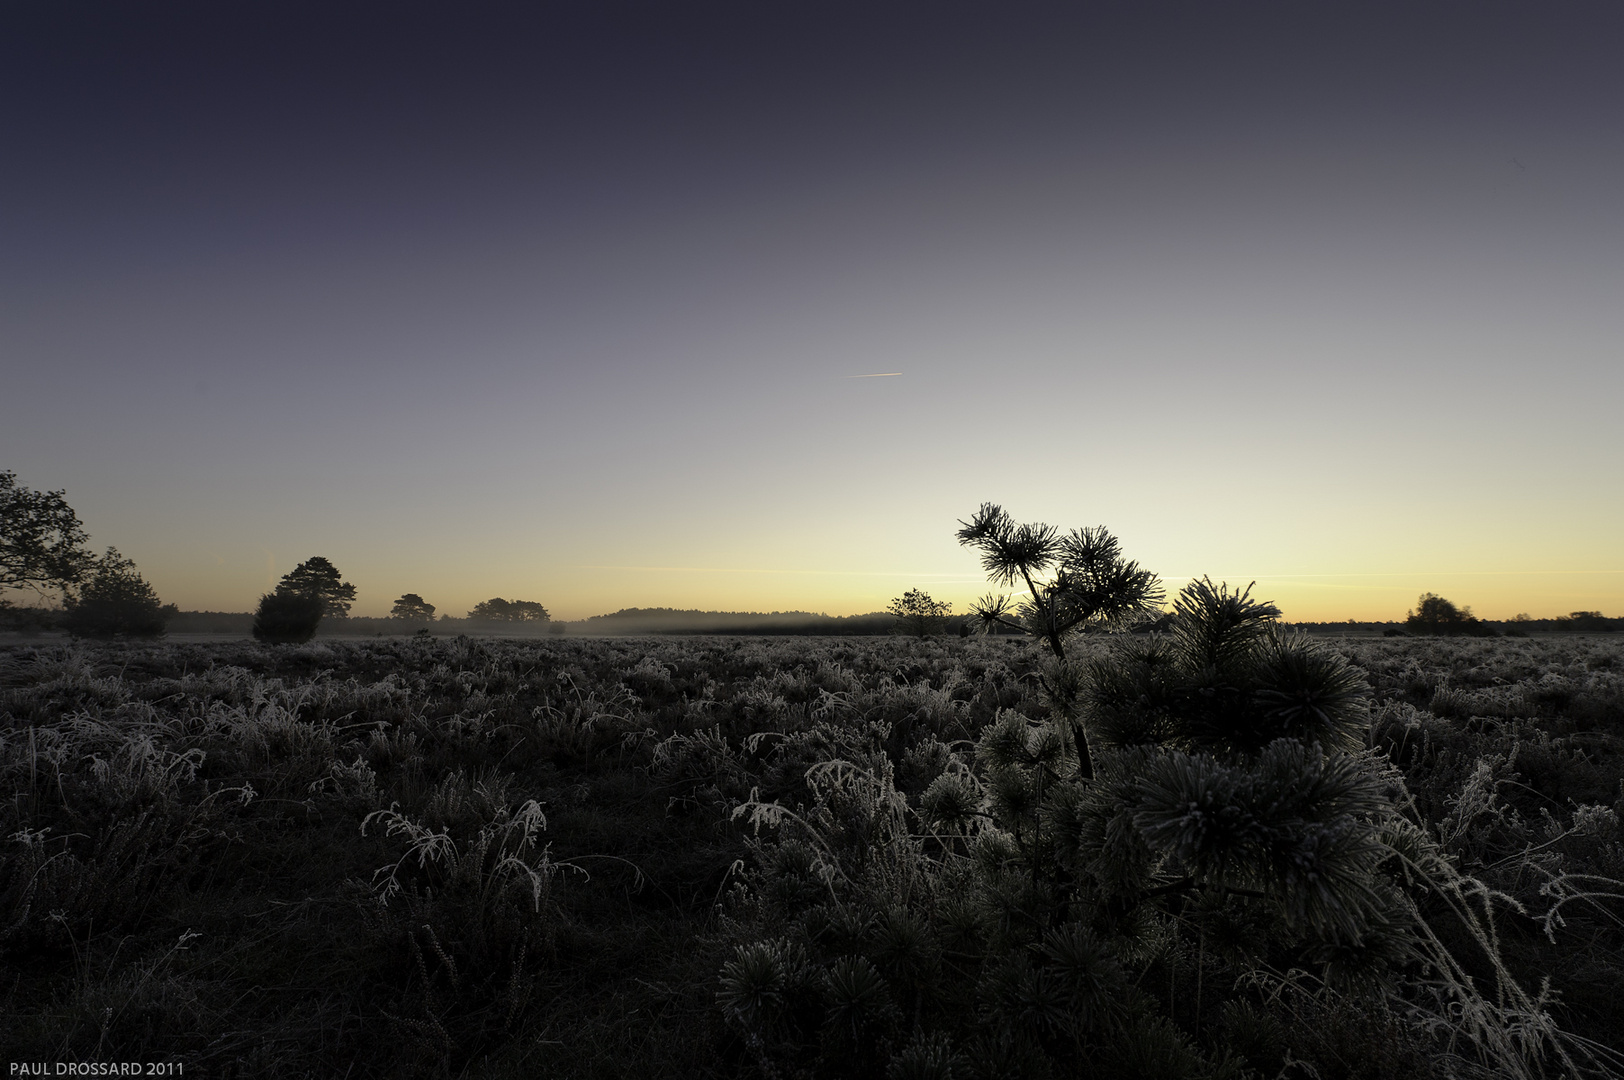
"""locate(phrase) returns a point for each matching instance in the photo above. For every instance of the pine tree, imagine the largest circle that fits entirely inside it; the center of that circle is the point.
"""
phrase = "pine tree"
(917, 613)
(1074, 583)
(1092, 584)
(413, 607)
(319, 579)
(1169, 865)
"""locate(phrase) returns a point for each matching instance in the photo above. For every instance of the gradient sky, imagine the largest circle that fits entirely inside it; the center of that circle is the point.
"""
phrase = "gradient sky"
(563, 302)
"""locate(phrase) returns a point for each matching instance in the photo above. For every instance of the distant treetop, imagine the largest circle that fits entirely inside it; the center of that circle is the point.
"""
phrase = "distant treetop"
(320, 580)
(116, 601)
(411, 606)
(498, 610)
(1435, 615)
(917, 613)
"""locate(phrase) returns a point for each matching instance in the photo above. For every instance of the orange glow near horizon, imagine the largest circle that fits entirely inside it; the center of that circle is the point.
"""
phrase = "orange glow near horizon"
(583, 591)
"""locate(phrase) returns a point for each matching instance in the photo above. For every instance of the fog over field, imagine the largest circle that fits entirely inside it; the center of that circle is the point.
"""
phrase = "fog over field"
(570, 302)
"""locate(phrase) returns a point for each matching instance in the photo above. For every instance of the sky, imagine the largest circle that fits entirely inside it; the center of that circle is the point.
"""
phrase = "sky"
(574, 302)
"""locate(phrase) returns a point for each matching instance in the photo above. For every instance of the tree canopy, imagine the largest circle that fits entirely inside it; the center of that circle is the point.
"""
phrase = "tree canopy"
(1435, 615)
(412, 606)
(917, 613)
(116, 602)
(42, 544)
(498, 610)
(320, 580)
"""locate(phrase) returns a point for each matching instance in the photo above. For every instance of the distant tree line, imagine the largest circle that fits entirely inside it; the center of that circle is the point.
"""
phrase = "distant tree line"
(315, 589)
(1581, 621)
(628, 623)
(44, 551)
(637, 621)
(1435, 616)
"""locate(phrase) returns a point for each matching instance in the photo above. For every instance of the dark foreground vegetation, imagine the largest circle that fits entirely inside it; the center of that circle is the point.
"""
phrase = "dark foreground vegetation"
(796, 857)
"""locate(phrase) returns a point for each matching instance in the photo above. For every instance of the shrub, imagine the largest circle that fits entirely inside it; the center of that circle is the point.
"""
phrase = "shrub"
(287, 618)
(1173, 832)
(1435, 615)
(116, 602)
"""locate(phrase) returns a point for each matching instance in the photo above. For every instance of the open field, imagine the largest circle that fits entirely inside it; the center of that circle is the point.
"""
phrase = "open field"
(728, 857)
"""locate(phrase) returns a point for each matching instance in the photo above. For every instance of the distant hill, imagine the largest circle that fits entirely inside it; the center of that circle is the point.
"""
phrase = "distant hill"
(693, 621)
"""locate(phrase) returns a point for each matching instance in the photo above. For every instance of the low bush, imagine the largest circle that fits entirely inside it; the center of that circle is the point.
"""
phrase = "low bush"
(287, 618)
(116, 602)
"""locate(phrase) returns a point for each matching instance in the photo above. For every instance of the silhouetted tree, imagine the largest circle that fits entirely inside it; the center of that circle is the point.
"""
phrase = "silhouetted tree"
(1591, 621)
(917, 613)
(1435, 615)
(116, 602)
(1092, 584)
(42, 544)
(287, 617)
(318, 578)
(530, 611)
(498, 610)
(414, 607)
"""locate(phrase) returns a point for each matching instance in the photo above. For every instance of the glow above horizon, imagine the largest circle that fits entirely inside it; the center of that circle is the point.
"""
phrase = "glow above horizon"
(536, 309)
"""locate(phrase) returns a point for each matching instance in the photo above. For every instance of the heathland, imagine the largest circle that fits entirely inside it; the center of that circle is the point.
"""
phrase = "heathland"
(715, 856)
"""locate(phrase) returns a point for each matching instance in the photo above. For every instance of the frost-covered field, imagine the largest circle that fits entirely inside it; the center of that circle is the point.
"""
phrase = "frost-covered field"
(786, 857)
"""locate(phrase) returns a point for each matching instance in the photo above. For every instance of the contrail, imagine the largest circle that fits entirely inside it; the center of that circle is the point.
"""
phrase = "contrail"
(876, 375)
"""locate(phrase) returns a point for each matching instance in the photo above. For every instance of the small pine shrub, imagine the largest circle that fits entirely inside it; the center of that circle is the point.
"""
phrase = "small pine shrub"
(287, 618)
